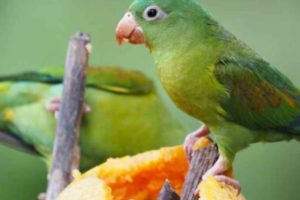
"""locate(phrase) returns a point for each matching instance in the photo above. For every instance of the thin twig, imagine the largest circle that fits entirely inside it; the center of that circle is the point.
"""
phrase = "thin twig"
(167, 193)
(202, 160)
(67, 132)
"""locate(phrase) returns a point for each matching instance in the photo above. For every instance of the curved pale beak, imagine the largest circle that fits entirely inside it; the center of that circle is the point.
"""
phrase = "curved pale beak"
(128, 30)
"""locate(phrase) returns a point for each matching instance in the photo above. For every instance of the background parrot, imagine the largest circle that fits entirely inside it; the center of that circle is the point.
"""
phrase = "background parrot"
(127, 116)
(214, 77)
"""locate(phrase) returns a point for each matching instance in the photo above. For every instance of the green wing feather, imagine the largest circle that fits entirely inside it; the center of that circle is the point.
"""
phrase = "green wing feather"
(24, 91)
(133, 116)
(111, 79)
(260, 97)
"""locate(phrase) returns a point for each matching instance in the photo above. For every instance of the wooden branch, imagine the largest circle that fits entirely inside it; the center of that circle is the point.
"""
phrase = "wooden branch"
(67, 132)
(202, 160)
(167, 193)
(11, 140)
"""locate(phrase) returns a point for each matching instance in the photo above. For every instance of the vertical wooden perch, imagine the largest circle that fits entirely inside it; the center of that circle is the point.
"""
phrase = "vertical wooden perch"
(203, 159)
(66, 151)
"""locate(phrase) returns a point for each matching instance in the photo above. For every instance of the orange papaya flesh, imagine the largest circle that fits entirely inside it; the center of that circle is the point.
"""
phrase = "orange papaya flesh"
(142, 176)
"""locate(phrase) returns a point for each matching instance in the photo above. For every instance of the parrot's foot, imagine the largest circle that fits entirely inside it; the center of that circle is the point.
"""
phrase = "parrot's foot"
(219, 171)
(42, 196)
(223, 179)
(192, 138)
(54, 106)
(229, 181)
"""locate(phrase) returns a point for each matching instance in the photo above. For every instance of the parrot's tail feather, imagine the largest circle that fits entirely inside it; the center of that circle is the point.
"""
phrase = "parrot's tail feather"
(17, 143)
(297, 138)
(293, 127)
(32, 76)
(110, 79)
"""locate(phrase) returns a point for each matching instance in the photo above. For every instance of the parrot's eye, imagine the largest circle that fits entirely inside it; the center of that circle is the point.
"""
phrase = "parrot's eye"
(153, 13)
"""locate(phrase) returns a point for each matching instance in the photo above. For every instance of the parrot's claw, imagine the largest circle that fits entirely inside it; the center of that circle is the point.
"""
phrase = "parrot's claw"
(192, 138)
(54, 106)
(218, 171)
(218, 168)
(229, 181)
(223, 179)
(42, 196)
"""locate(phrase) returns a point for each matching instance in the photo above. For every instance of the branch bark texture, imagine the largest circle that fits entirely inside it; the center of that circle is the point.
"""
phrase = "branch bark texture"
(202, 160)
(66, 149)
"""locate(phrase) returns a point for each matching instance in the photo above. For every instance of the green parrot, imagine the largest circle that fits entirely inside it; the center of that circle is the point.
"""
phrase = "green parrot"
(214, 77)
(127, 115)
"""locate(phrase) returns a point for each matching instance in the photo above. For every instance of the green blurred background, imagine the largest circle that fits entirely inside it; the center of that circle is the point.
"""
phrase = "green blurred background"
(35, 33)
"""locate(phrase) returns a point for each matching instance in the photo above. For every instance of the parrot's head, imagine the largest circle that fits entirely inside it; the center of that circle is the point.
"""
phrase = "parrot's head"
(160, 23)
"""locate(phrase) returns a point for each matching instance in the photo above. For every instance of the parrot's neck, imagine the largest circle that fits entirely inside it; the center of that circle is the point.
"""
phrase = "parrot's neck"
(205, 38)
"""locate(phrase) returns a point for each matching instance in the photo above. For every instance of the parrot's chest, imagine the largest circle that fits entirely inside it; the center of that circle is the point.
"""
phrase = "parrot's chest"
(193, 90)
